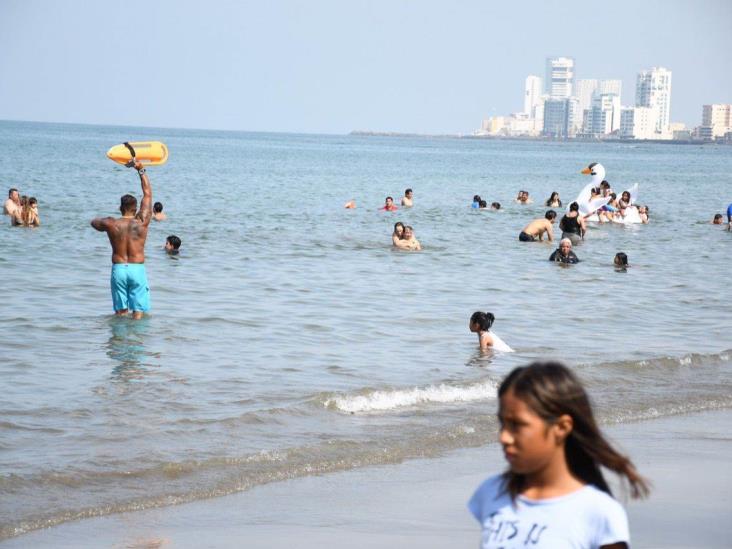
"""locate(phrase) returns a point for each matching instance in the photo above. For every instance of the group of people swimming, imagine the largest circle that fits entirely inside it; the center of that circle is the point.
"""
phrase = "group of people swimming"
(22, 210)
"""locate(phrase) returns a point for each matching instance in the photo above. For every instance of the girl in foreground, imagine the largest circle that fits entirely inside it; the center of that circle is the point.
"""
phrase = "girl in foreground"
(480, 323)
(553, 493)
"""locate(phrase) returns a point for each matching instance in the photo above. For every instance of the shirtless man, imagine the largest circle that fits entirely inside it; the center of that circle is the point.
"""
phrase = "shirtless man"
(12, 204)
(407, 198)
(158, 214)
(535, 230)
(127, 235)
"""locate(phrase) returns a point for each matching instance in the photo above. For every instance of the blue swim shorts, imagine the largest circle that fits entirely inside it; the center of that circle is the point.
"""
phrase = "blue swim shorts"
(129, 287)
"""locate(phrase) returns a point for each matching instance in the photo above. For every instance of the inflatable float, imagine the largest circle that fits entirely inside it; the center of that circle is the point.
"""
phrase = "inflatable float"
(149, 153)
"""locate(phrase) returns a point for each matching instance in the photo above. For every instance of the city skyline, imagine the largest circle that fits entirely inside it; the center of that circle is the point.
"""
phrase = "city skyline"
(333, 67)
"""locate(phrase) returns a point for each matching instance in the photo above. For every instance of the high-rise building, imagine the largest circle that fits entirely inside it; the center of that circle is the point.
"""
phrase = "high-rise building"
(532, 94)
(610, 86)
(603, 118)
(559, 77)
(584, 91)
(560, 117)
(716, 120)
(653, 90)
(638, 123)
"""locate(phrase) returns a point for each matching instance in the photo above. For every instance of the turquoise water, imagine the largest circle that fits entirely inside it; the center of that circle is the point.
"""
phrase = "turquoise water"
(288, 339)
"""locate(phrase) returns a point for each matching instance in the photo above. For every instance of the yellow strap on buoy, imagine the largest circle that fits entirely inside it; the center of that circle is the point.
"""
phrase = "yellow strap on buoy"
(149, 153)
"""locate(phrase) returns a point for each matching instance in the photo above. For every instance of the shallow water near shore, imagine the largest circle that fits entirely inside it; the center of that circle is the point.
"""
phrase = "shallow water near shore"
(288, 339)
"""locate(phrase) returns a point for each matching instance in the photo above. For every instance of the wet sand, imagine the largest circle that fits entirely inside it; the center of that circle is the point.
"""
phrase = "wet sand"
(421, 503)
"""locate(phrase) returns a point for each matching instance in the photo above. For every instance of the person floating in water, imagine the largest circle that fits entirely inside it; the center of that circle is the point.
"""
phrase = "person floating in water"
(564, 253)
(172, 245)
(407, 198)
(495, 205)
(389, 205)
(127, 236)
(717, 220)
(158, 214)
(535, 230)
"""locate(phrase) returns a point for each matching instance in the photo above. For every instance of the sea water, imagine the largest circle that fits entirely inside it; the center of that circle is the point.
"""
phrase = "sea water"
(288, 339)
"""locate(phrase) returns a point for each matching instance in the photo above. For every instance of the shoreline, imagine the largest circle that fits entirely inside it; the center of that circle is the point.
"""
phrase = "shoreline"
(423, 502)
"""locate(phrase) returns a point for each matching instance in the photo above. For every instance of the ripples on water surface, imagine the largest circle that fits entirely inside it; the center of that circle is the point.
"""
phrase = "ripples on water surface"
(288, 338)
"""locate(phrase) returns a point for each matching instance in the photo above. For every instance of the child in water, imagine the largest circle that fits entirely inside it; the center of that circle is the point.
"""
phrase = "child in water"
(554, 493)
(480, 323)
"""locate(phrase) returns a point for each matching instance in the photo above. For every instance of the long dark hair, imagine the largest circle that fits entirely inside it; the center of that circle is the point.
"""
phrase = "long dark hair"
(484, 320)
(550, 390)
(550, 201)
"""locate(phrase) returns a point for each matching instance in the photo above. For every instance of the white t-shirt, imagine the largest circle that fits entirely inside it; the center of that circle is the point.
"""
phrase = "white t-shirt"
(586, 519)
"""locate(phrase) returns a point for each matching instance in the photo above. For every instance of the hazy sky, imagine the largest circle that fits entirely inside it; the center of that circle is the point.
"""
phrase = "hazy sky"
(335, 66)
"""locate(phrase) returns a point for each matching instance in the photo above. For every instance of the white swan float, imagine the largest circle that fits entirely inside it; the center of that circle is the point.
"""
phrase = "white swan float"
(587, 206)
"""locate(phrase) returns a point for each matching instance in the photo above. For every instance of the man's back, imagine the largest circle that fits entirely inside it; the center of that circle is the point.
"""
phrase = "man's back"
(127, 237)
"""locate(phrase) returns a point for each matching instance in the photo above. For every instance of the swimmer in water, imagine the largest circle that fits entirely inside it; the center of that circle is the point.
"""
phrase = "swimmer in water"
(564, 253)
(480, 323)
(621, 261)
(495, 206)
(535, 230)
(483, 205)
(476, 202)
(643, 213)
(158, 214)
(172, 245)
(554, 201)
(717, 220)
(398, 233)
(407, 198)
(350, 205)
(389, 205)
(408, 241)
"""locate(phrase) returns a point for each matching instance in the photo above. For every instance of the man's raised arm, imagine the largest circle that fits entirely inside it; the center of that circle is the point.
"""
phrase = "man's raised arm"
(145, 213)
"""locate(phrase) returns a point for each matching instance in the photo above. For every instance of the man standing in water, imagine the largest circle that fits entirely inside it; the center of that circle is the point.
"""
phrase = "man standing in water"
(127, 236)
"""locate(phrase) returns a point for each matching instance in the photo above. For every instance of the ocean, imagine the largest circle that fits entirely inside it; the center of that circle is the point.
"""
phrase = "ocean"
(288, 339)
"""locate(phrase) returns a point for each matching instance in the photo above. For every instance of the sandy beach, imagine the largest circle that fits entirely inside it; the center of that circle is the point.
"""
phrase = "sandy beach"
(421, 503)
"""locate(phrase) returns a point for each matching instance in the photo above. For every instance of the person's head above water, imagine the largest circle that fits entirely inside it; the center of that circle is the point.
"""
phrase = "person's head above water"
(481, 322)
(476, 198)
(172, 244)
(408, 193)
(13, 194)
(546, 419)
(620, 260)
(496, 205)
(389, 201)
(398, 229)
(408, 232)
(128, 204)
(483, 204)
(158, 207)
(551, 215)
(574, 207)
(625, 197)
(565, 246)
(718, 219)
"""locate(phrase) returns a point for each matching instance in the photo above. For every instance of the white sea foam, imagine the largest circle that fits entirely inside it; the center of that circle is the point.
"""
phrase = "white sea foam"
(380, 401)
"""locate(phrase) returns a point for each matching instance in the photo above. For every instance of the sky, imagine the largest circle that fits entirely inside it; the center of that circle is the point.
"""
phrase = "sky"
(337, 66)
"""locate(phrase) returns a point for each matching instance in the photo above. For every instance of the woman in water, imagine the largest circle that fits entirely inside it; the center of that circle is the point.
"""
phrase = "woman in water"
(398, 233)
(573, 224)
(26, 216)
(480, 323)
(643, 214)
(554, 201)
(408, 240)
(554, 493)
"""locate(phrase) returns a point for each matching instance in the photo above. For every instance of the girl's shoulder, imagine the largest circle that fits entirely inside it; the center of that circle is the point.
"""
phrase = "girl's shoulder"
(490, 495)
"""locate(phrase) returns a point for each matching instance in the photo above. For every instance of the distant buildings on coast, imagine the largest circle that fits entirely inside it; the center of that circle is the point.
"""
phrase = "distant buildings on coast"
(562, 107)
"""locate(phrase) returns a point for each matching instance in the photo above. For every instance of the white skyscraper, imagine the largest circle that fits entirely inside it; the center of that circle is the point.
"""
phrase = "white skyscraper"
(532, 94)
(653, 90)
(604, 116)
(584, 91)
(559, 77)
(610, 86)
